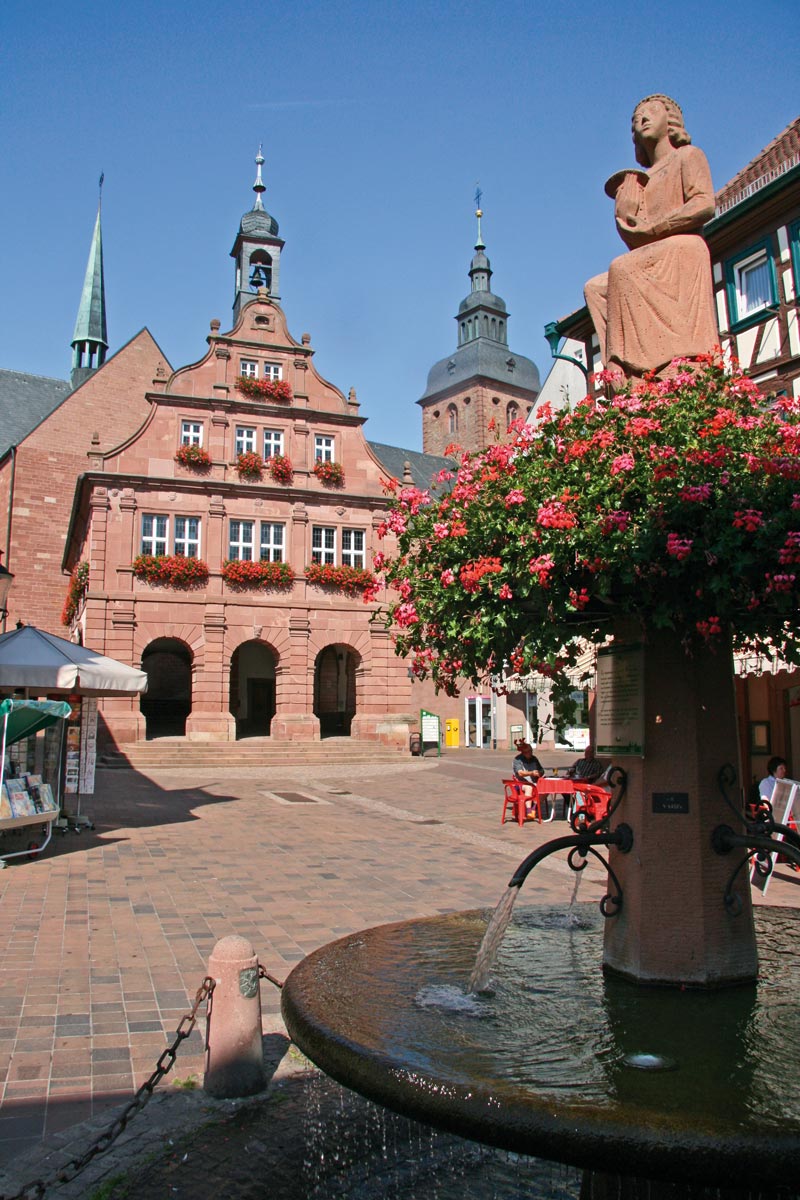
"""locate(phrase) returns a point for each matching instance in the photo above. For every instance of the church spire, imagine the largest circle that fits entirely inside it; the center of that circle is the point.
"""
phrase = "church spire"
(481, 314)
(90, 339)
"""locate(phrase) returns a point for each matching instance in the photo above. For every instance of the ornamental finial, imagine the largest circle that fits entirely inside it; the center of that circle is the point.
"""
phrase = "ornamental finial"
(479, 213)
(258, 186)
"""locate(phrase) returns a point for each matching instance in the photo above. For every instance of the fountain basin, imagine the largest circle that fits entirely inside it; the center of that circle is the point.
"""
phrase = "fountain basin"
(544, 1065)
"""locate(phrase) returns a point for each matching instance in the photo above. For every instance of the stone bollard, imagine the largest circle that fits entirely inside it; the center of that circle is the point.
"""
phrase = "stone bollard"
(234, 1052)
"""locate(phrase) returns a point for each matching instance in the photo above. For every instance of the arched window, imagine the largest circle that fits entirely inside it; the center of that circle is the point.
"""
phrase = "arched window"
(452, 419)
(512, 413)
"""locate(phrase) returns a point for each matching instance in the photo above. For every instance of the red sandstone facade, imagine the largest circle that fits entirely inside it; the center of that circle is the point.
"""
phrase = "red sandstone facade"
(38, 477)
(223, 661)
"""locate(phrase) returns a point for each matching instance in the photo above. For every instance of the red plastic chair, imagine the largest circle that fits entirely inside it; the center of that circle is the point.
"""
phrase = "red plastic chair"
(516, 800)
(591, 800)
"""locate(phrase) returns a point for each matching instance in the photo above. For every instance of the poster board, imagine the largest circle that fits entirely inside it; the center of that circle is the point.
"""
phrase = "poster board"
(430, 731)
(81, 750)
(620, 701)
(786, 811)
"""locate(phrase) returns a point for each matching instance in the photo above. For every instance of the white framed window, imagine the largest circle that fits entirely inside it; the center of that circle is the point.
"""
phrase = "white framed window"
(751, 283)
(240, 541)
(272, 541)
(323, 448)
(191, 433)
(273, 443)
(273, 371)
(323, 545)
(248, 367)
(187, 536)
(353, 548)
(245, 439)
(155, 533)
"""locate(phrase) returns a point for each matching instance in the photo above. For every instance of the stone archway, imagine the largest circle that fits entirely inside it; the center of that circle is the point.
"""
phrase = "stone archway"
(168, 700)
(335, 689)
(252, 688)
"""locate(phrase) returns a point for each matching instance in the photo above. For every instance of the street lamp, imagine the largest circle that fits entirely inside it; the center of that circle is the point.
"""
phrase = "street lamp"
(553, 338)
(6, 579)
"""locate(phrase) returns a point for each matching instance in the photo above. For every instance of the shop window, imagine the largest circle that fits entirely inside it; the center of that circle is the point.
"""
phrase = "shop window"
(272, 541)
(323, 545)
(240, 541)
(353, 548)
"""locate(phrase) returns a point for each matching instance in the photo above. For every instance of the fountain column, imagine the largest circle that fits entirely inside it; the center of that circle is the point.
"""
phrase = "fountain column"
(673, 927)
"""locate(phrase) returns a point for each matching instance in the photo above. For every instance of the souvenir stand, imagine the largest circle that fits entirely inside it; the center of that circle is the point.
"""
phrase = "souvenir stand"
(27, 801)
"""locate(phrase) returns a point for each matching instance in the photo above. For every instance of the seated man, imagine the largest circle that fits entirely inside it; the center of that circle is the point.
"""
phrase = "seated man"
(587, 769)
(527, 769)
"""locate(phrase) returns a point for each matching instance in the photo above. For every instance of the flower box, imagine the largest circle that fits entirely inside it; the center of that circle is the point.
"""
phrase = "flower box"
(239, 574)
(78, 583)
(277, 391)
(171, 570)
(329, 473)
(249, 465)
(350, 580)
(194, 457)
(280, 468)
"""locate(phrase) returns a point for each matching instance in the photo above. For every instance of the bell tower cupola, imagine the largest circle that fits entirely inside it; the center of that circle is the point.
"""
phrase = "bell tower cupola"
(257, 250)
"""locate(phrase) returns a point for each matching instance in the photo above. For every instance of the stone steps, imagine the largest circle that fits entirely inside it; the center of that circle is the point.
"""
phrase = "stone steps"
(170, 753)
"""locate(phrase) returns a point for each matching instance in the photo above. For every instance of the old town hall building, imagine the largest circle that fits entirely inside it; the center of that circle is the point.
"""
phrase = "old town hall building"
(219, 522)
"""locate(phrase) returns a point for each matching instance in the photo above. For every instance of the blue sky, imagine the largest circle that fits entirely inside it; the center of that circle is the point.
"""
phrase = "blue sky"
(377, 120)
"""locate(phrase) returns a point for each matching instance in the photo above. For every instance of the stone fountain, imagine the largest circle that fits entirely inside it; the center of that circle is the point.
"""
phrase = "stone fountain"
(659, 1054)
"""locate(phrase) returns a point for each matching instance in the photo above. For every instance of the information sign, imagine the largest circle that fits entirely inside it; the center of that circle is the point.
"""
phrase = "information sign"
(620, 700)
(430, 731)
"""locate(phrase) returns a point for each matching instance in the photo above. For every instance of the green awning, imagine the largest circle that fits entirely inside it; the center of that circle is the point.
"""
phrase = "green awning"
(23, 717)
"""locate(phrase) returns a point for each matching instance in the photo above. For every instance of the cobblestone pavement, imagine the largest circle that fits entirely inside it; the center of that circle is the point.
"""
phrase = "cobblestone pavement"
(105, 939)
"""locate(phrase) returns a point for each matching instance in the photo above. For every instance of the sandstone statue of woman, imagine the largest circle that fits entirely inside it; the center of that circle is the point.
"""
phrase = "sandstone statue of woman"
(656, 302)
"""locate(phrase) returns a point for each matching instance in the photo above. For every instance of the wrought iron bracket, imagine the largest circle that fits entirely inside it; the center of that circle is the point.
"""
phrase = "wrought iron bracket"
(580, 845)
(757, 840)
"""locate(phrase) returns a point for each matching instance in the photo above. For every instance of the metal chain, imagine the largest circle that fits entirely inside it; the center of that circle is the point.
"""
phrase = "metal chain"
(263, 973)
(37, 1187)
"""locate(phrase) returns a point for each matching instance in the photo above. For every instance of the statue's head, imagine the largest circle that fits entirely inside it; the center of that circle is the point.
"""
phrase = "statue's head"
(676, 131)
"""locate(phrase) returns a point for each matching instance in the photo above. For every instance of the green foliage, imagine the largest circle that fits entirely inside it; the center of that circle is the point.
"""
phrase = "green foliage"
(78, 583)
(675, 501)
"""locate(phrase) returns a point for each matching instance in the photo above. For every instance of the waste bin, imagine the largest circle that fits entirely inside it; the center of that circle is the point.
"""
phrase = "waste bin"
(415, 743)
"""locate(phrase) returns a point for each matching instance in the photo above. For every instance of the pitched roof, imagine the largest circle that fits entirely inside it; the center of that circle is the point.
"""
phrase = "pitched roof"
(423, 466)
(782, 153)
(25, 400)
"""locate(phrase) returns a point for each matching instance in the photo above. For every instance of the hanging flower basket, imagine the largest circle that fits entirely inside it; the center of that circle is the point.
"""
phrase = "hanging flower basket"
(280, 468)
(275, 391)
(330, 473)
(78, 583)
(350, 580)
(194, 457)
(241, 575)
(171, 570)
(249, 465)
